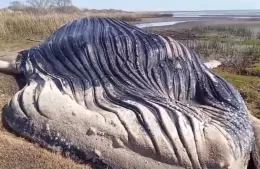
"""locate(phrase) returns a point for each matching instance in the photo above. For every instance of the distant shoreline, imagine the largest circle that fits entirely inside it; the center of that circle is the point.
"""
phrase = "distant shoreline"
(195, 20)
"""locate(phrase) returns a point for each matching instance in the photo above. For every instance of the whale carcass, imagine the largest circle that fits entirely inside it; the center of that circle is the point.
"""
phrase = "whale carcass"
(105, 91)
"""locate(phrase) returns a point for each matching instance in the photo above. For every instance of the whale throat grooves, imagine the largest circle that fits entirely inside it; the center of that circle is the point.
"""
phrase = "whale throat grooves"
(102, 88)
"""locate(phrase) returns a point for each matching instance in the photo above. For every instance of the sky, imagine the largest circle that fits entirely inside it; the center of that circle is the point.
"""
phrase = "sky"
(162, 5)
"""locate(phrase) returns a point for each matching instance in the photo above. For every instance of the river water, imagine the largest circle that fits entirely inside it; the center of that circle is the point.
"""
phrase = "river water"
(144, 25)
(217, 13)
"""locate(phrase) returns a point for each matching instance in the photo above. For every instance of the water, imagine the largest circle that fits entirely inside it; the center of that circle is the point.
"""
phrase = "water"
(144, 25)
(240, 14)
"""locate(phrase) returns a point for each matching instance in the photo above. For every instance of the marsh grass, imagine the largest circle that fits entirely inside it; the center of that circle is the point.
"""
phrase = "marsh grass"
(18, 25)
(229, 31)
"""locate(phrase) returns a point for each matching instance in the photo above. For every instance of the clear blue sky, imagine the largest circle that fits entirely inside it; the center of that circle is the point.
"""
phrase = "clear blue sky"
(160, 5)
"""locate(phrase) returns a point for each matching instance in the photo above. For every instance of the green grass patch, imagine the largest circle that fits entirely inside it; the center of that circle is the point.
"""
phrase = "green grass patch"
(219, 38)
(255, 66)
(254, 69)
(249, 42)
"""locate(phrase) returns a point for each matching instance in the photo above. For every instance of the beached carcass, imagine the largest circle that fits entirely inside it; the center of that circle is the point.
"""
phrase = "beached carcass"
(118, 96)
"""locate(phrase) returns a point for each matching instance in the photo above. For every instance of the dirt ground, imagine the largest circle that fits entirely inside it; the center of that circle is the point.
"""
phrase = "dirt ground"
(17, 152)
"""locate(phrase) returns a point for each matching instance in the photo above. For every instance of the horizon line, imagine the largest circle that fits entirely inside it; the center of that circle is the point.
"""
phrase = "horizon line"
(198, 10)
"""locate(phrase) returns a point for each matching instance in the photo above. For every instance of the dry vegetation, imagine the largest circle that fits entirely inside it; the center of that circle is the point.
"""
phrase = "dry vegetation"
(17, 25)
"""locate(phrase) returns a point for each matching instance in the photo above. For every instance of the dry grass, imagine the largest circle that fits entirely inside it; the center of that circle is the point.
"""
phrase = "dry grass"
(17, 25)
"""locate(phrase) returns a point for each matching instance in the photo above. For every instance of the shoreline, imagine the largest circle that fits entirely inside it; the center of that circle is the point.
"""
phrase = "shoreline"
(250, 24)
(196, 21)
